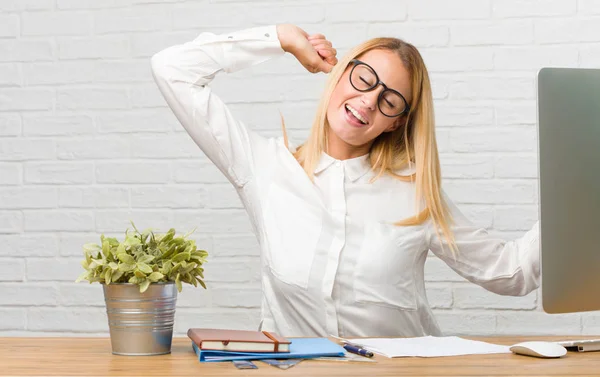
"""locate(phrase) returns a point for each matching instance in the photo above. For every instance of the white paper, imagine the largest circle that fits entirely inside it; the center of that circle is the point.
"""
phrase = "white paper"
(428, 346)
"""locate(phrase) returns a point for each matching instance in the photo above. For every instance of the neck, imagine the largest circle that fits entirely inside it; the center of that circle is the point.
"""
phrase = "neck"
(340, 150)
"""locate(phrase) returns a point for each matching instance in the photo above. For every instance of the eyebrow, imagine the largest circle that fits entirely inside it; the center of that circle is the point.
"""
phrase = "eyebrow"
(379, 78)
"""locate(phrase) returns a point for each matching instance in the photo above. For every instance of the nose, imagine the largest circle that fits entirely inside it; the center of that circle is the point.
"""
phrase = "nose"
(369, 99)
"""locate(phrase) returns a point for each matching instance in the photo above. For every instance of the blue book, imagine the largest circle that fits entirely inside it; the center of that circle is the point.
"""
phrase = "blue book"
(301, 348)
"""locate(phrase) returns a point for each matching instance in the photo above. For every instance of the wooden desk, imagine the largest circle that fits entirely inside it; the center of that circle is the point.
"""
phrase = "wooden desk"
(93, 357)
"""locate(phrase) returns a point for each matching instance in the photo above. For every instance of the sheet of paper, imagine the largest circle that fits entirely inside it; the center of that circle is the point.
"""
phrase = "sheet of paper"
(428, 346)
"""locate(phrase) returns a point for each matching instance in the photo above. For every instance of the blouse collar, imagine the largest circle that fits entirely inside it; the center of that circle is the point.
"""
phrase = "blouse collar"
(354, 168)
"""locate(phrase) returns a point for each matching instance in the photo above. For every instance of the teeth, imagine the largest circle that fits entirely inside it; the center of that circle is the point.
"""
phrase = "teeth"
(356, 114)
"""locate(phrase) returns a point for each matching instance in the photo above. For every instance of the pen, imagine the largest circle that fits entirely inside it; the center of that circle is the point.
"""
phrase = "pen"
(358, 350)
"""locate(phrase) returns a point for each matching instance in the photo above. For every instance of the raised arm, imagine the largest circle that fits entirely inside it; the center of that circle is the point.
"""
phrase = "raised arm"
(183, 73)
(500, 266)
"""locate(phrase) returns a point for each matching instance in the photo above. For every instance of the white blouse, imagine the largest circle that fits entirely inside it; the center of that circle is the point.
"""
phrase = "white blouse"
(332, 260)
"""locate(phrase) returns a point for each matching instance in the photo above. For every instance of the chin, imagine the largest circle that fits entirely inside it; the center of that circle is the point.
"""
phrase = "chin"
(345, 133)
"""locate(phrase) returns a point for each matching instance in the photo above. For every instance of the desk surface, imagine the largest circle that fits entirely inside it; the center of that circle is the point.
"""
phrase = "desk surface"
(93, 357)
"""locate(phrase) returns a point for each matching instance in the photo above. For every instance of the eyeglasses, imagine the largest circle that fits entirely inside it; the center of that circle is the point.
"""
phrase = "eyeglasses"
(364, 79)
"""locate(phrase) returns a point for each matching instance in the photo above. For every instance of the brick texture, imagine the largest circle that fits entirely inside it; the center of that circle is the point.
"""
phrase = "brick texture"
(87, 143)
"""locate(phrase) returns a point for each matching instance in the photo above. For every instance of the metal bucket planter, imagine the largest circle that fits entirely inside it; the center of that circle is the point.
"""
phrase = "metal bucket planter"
(141, 324)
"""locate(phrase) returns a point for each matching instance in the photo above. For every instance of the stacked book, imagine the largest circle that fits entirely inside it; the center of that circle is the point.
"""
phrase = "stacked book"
(229, 345)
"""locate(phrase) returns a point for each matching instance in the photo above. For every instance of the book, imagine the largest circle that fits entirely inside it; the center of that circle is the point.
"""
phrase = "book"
(300, 348)
(238, 340)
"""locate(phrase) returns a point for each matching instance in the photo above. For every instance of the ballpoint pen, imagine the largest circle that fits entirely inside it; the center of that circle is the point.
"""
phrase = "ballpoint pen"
(358, 350)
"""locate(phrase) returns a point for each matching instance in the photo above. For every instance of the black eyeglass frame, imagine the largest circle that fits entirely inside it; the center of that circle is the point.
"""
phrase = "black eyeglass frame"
(378, 82)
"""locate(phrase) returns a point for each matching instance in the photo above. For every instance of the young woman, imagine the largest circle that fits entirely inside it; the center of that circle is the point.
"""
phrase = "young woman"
(345, 221)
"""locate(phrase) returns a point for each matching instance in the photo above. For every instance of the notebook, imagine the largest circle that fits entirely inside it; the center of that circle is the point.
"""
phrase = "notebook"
(238, 340)
(300, 348)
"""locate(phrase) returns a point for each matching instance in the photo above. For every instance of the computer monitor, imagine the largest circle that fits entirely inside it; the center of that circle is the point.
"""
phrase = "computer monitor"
(569, 184)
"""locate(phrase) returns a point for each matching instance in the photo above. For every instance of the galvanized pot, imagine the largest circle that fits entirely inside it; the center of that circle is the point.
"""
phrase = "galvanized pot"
(140, 324)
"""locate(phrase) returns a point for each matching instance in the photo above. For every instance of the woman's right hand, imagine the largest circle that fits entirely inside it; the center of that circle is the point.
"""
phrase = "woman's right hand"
(314, 52)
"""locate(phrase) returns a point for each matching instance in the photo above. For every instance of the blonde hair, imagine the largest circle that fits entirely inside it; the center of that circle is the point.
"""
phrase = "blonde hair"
(414, 143)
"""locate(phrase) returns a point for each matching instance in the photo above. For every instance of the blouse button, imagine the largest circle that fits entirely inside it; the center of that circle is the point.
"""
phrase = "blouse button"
(338, 164)
(267, 35)
(230, 37)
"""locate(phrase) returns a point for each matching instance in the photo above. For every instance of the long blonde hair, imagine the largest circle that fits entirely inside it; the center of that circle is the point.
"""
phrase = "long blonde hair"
(414, 143)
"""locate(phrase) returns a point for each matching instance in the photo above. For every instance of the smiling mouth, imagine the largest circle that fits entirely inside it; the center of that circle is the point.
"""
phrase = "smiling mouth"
(354, 113)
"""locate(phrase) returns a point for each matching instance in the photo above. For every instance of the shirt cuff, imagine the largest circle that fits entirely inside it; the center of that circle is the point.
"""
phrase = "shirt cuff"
(245, 48)
(261, 33)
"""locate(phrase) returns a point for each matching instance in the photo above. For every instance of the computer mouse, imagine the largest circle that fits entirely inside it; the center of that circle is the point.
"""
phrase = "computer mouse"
(539, 349)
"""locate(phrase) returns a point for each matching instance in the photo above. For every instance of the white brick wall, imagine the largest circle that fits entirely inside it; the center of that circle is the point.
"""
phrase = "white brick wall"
(87, 142)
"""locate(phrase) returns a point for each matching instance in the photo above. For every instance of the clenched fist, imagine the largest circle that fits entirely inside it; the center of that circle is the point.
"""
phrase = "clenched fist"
(314, 51)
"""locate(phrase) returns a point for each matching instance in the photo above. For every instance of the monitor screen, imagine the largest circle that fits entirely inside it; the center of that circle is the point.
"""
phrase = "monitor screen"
(569, 184)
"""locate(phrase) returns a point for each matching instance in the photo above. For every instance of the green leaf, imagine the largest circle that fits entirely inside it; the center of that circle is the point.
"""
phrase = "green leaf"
(178, 282)
(132, 241)
(105, 247)
(136, 280)
(144, 268)
(169, 251)
(124, 267)
(126, 258)
(188, 268)
(155, 276)
(169, 236)
(181, 257)
(145, 234)
(197, 258)
(190, 232)
(133, 225)
(92, 249)
(108, 276)
(117, 275)
(146, 259)
(202, 283)
(83, 276)
(176, 268)
(166, 268)
(113, 265)
(139, 274)
(112, 241)
(144, 285)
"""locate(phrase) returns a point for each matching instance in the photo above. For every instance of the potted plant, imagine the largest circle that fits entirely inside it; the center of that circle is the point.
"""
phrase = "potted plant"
(141, 276)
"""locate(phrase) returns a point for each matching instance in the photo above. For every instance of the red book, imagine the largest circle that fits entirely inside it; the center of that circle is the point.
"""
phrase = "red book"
(238, 340)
